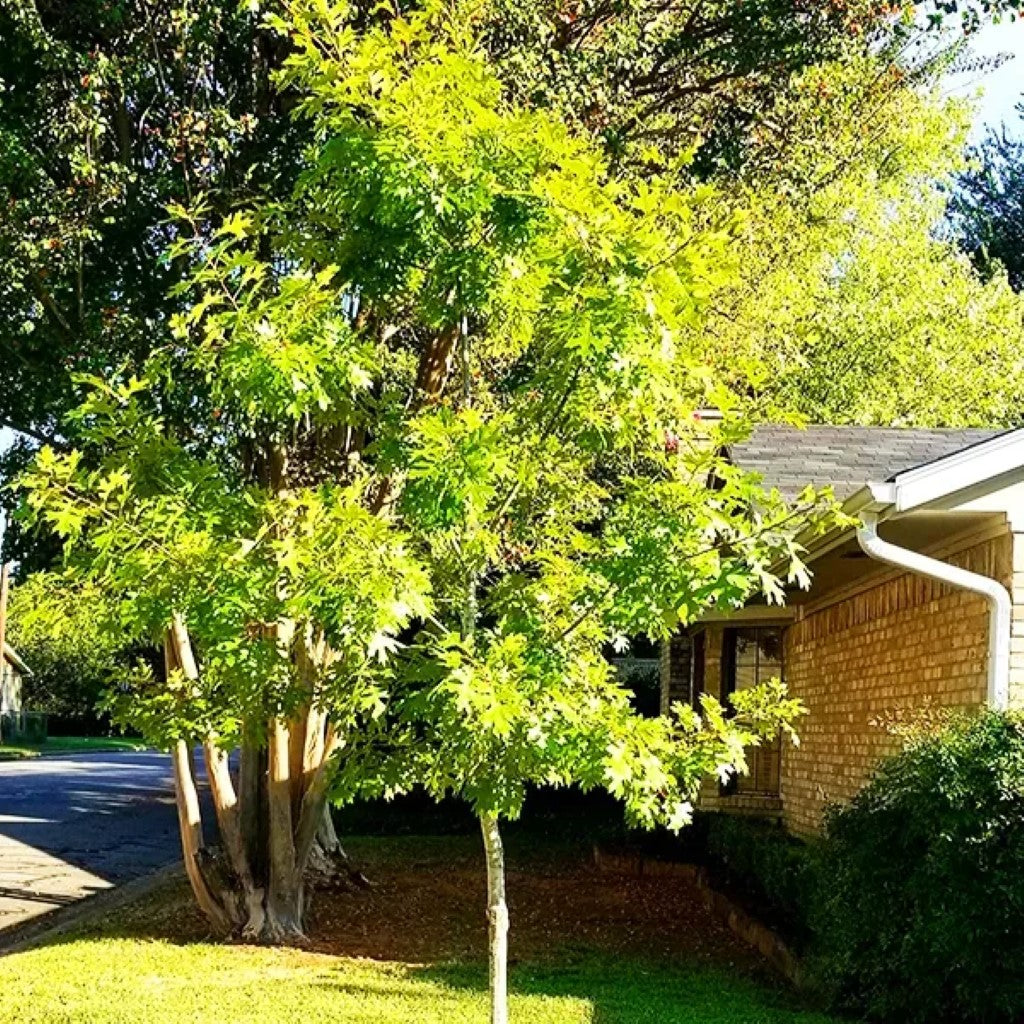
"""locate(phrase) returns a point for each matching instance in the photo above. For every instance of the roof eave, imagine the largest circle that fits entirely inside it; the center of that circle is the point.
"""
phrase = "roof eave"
(878, 498)
(933, 486)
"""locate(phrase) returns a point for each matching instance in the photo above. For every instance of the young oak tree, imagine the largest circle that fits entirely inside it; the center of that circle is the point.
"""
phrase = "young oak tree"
(450, 451)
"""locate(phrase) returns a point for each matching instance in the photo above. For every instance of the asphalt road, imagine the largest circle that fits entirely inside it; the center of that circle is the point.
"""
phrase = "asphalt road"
(76, 824)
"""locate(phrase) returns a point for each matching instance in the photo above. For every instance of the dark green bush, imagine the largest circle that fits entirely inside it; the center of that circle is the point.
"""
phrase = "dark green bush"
(920, 916)
(775, 873)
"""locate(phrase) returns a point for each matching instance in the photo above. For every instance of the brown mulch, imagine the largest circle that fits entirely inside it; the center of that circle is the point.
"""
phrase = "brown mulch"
(426, 905)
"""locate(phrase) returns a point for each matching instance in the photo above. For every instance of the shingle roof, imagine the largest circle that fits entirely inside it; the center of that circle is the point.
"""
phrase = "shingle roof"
(844, 458)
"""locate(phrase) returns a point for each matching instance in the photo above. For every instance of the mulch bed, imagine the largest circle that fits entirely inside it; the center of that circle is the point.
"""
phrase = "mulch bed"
(430, 907)
(426, 905)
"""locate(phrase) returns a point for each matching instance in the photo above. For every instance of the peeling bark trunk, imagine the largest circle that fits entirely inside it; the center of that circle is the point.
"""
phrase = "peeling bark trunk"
(284, 896)
(274, 824)
(497, 918)
(229, 823)
(191, 828)
(190, 821)
(251, 768)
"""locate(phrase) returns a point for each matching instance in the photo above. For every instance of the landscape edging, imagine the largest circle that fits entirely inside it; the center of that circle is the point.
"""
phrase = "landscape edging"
(743, 924)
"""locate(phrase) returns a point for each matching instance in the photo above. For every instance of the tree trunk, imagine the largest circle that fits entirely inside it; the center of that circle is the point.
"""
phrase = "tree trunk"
(274, 824)
(191, 828)
(285, 895)
(497, 918)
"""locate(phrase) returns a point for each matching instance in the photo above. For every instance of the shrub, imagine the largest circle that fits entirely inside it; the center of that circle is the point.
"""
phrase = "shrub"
(921, 917)
(776, 873)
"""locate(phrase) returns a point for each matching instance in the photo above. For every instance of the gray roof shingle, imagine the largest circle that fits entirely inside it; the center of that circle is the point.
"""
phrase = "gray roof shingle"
(844, 458)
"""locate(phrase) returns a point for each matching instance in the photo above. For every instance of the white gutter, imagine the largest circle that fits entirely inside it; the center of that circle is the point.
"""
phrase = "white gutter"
(1000, 605)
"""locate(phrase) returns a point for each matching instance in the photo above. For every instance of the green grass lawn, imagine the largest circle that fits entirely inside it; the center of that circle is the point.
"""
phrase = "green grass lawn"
(11, 751)
(587, 948)
(124, 981)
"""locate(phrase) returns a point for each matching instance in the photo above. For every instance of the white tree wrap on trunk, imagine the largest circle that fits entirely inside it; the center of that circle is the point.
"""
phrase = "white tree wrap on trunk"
(497, 918)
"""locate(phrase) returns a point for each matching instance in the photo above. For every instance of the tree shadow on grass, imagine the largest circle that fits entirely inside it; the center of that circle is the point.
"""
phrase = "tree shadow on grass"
(617, 949)
(628, 992)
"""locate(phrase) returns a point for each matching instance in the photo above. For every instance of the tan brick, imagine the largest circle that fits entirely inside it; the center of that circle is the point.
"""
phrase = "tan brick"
(898, 646)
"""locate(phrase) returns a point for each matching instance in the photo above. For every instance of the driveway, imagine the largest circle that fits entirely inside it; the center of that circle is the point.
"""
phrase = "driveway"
(76, 824)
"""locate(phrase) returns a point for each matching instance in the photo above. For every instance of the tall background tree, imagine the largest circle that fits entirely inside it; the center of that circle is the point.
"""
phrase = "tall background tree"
(860, 307)
(987, 204)
(109, 112)
(112, 110)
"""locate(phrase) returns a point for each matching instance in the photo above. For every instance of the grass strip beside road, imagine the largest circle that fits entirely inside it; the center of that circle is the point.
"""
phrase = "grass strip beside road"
(16, 751)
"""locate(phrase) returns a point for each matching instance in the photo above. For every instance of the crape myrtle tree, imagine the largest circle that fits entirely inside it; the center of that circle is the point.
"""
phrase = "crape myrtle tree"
(445, 448)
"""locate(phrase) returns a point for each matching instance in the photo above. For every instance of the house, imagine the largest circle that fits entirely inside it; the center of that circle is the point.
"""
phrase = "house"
(919, 604)
(11, 678)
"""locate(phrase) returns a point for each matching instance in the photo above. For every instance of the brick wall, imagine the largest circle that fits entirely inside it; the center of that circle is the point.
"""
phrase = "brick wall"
(891, 647)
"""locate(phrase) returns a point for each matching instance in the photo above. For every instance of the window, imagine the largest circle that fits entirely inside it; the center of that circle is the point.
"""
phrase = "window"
(697, 671)
(750, 655)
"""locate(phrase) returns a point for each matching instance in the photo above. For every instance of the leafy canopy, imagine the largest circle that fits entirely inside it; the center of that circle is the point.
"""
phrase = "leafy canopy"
(986, 205)
(449, 433)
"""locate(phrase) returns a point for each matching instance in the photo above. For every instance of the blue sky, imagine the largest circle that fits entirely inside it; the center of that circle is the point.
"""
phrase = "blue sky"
(1001, 89)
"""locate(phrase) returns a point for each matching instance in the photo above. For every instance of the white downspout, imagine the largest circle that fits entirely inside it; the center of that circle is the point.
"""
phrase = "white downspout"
(1000, 605)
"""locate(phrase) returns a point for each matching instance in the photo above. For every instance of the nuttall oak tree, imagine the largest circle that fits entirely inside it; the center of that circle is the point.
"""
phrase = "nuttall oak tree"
(542, 457)
(349, 534)
(445, 449)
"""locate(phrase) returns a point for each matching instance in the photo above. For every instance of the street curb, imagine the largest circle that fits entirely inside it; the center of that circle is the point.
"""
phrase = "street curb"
(49, 755)
(40, 930)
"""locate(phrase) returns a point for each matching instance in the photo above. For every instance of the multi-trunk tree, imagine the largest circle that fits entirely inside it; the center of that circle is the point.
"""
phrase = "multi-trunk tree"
(445, 445)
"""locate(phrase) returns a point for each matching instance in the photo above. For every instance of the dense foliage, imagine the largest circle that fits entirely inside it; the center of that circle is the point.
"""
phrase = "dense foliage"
(110, 112)
(987, 205)
(778, 874)
(922, 901)
(74, 659)
(857, 311)
(442, 450)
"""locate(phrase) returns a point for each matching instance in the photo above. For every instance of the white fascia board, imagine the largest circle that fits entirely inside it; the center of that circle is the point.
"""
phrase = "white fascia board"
(989, 461)
(15, 659)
